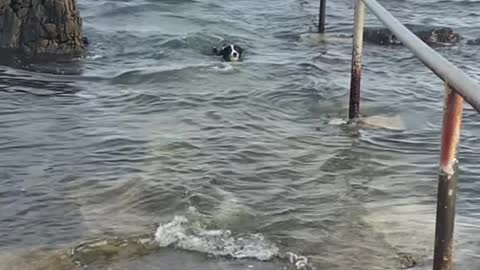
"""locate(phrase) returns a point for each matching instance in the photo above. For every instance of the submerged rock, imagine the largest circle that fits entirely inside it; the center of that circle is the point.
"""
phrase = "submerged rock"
(106, 249)
(474, 42)
(36, 27)
(407, 261)
(429, 34)
(37, 260)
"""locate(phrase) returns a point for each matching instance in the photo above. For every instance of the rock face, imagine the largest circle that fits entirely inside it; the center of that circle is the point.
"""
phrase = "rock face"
(37, 27)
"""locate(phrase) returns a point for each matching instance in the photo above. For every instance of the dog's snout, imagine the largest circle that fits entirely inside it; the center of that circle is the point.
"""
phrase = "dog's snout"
(235, 54)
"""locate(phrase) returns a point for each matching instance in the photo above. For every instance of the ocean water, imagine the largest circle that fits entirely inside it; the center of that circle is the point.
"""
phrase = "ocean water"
(152, 153)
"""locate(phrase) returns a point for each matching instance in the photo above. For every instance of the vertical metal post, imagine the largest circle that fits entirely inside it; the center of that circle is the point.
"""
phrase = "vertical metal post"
(321, 16)
(447, 181)
(354, 108)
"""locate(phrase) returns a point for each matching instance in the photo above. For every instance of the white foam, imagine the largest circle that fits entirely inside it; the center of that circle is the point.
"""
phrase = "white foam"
(223, 67)
(185, 234)
(337, 122)
(300, 262)
(95, 57)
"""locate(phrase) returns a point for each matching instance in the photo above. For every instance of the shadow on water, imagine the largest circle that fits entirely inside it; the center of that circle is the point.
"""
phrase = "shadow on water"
(15, 83)
(39, 76)
(50, 64)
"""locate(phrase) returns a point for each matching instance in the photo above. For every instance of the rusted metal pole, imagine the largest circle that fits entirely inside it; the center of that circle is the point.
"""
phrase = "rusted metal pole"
(354, 108)
(447, 181)
(321, 16)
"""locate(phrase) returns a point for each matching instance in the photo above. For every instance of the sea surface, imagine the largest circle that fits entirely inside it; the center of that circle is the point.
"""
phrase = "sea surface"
(153, 153)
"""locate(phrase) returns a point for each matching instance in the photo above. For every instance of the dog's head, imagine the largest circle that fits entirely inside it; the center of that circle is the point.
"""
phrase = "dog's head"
(230, 52)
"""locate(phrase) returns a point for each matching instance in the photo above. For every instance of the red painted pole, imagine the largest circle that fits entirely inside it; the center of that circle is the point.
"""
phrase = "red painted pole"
(447, 181)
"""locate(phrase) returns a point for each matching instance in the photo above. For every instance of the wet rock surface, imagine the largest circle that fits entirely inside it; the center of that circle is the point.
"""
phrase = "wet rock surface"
(431, 35)
(36, 27)
(102, 250)
(38, 260)
(407, 261)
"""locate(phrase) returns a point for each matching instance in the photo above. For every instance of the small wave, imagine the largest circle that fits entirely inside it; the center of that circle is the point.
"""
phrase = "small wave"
(224, 68)
(36, 84)
(337, 122)
(199, 42)
(315, 39)
(160, 75)
(95, 57)
(181, 233)
(192, 234)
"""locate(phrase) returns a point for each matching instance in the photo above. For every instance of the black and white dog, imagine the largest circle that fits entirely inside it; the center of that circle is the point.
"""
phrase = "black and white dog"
(230, 52)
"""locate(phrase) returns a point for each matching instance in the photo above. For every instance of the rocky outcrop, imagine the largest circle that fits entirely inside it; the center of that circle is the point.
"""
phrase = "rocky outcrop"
(428, 34)
(37, 27)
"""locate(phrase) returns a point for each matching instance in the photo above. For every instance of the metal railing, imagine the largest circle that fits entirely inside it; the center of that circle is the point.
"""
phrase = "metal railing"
(458, 86)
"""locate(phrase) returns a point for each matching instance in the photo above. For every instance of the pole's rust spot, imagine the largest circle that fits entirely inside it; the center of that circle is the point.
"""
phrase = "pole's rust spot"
(354, 106)
(451, 129)
(447, 181)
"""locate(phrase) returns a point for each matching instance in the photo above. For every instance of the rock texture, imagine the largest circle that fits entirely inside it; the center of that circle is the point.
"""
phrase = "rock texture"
(432, 35)
(40, 27)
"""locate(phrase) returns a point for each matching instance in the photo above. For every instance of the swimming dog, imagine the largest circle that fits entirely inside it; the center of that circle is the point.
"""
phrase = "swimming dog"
(230, 52)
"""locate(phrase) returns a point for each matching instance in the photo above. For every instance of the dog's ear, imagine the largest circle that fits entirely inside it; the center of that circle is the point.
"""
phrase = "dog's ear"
(215, 51)
(238, 49)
